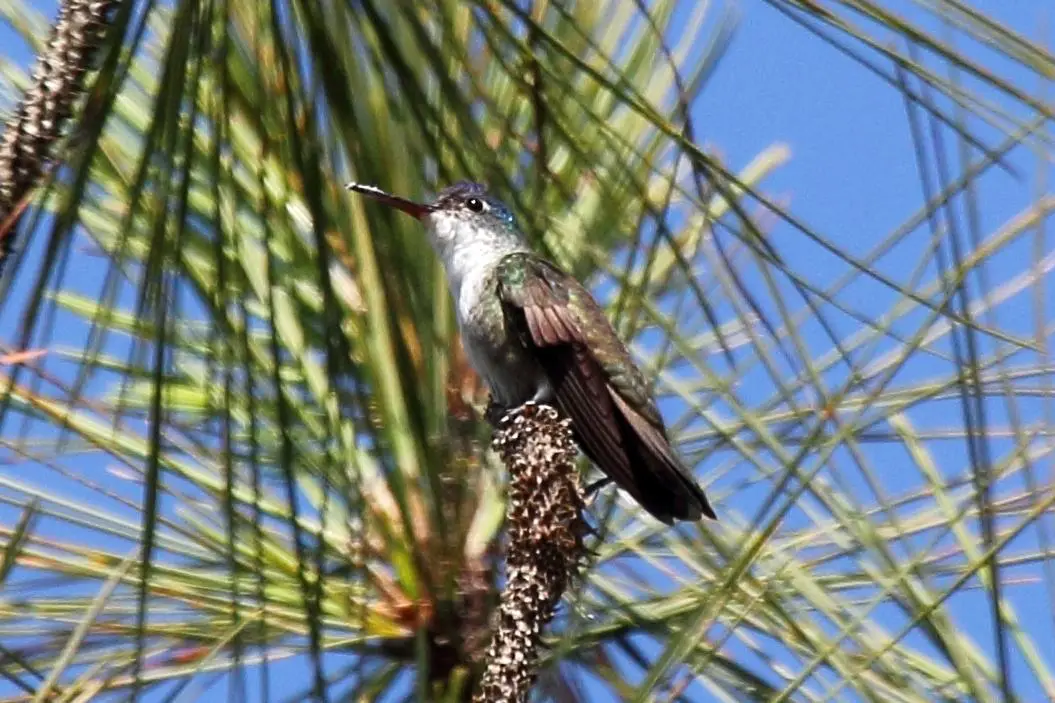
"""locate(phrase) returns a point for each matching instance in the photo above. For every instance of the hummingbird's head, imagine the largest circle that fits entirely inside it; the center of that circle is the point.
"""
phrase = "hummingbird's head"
(465, 214)
(463, 219)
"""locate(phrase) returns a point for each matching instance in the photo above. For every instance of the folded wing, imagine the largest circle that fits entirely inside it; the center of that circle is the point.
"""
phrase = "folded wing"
(598, 386)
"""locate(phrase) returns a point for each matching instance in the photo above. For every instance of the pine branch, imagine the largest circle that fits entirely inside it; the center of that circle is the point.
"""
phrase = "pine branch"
(37, 122)
(545, 526)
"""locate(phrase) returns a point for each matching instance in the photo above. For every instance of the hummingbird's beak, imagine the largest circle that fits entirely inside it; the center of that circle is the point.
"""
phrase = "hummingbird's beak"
(413, 209)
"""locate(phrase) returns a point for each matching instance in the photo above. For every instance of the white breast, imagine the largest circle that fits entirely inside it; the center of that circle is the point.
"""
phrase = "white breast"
(468, 289)
(469, 262)
(470, 256)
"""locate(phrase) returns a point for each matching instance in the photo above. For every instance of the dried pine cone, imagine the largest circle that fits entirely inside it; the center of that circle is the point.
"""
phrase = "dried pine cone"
(37, 121)
(545, 526)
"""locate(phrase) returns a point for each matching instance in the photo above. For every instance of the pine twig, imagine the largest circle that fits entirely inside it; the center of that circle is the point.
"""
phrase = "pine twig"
(546, 529)
(36, 124)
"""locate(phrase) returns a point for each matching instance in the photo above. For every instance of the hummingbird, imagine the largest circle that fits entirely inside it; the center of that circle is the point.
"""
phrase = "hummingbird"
(534, 333)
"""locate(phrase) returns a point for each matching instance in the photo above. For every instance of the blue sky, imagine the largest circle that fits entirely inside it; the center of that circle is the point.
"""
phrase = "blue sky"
(851, 176)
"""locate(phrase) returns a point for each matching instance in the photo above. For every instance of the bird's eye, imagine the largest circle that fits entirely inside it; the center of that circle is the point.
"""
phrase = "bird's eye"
(475, 204)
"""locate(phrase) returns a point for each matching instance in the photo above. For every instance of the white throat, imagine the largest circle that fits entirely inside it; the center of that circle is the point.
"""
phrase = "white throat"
(469, 254)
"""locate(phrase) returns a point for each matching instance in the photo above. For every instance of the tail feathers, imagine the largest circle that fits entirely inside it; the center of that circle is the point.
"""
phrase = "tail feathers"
(663, 486)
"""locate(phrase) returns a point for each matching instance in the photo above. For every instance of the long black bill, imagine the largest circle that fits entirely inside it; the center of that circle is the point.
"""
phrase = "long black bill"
(413, 209)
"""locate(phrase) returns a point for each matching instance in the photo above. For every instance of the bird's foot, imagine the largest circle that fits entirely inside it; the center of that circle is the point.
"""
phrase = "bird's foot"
(589, 494)
(591, 490)
(589, 530)
(494, 412)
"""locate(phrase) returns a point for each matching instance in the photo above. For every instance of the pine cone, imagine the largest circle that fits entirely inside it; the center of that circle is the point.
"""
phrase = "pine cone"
(545, 526)
(38, 119)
